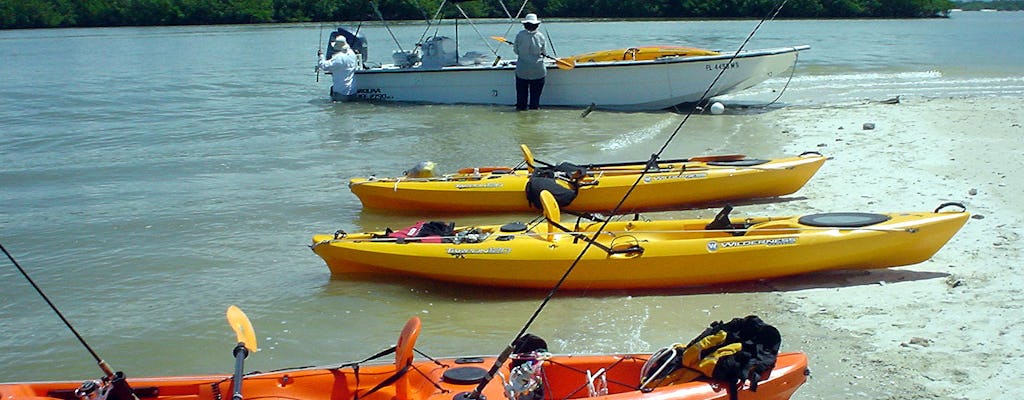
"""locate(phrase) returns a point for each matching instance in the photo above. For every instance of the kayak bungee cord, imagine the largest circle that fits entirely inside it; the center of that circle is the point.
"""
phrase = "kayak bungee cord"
(120, 390)
(476, 394)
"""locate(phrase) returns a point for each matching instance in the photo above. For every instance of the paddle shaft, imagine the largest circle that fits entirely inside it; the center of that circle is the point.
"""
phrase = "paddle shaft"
(240, 354)
(562, 64)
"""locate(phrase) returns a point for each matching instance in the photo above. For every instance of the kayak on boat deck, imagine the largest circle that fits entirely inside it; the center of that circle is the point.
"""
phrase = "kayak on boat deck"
(641, 53)
(590, 187)
(641, 254)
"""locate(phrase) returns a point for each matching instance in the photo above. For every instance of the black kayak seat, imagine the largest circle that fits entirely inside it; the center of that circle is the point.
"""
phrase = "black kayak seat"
(513, 227)
(843, 219)
(746, 162)
(464, 375)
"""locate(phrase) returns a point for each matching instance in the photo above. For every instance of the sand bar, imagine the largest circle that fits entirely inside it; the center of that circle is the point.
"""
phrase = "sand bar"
(948, 328)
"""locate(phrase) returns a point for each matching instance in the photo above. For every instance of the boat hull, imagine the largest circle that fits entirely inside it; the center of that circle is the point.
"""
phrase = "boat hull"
(697, 183)
(622, 85)
(668, 253)
(565, 376)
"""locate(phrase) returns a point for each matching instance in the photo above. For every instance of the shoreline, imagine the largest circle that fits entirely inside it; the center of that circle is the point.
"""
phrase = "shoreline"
(943, 328)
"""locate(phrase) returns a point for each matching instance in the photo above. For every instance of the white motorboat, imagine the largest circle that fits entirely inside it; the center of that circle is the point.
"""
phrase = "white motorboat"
(435, 73)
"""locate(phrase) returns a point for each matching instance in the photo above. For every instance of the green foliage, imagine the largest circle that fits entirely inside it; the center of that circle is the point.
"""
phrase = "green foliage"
(88, 13)
(1005, 5)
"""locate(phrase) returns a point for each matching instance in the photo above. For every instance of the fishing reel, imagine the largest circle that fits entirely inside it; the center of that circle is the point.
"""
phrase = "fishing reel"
(526, 380)
(113, 387)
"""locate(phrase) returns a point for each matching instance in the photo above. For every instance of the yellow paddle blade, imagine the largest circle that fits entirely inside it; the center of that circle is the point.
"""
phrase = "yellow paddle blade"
(501, 39)
(565, 63)
(527, 156)
(243, 327)
(551, 212)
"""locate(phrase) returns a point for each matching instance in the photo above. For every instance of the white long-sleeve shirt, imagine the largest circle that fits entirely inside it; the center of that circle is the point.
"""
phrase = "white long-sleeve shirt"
(343, 70)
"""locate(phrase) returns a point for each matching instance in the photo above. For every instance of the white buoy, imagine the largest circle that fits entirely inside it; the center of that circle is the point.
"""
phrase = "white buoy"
(717, 108)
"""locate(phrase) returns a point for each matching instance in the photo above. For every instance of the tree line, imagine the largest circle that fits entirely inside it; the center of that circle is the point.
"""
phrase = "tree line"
(1002, 5)
(97, 13)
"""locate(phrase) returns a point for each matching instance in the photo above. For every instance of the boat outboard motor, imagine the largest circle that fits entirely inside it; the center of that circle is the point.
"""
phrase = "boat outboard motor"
(357, 41)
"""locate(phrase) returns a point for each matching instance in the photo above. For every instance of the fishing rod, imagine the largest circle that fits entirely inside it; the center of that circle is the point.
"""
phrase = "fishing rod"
(119, 386)
(476, 394)
(319, 51)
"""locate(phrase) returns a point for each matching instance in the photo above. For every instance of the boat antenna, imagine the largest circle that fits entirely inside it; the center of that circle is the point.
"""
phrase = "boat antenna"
(430, 22)
(477, 392)
(511, 19)
(381, 17)
(511, 23)
(472, 25)
(102, 364)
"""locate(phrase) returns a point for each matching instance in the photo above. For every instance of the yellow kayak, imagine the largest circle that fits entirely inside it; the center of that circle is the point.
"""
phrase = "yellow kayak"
(644, 254)
(592, 187)
(642, 53)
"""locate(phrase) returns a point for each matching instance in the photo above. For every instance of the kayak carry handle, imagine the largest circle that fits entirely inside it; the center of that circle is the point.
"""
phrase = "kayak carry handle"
(951, 204)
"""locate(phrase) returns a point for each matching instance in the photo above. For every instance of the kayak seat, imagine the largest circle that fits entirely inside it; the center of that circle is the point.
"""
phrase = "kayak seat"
(513, 227)
(464, 375)
(571, 171)
(723, 223)
(843, 219)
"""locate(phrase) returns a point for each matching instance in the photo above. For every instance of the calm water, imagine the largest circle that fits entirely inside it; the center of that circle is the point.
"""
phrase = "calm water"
(150, 177)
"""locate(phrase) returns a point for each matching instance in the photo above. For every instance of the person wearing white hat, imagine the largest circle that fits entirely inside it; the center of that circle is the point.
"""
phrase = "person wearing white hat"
(342, 65)
(530, 69)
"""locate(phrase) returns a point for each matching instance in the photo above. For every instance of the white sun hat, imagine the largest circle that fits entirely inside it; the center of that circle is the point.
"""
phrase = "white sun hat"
(340, 44)
(531, 19)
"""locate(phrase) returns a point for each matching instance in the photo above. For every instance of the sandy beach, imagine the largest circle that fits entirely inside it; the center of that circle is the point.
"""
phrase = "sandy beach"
(948, 328)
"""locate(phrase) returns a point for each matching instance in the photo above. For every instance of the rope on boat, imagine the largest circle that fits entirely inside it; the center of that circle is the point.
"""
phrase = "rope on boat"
(792, 71)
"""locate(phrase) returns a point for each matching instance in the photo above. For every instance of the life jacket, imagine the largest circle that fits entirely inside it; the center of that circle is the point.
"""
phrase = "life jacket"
(547, 179)
(431, 232)
(741, 350)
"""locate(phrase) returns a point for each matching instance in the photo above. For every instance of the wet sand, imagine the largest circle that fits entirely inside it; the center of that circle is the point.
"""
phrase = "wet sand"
(948, 328)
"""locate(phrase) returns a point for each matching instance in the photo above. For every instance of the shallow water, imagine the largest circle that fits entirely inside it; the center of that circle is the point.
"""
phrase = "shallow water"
(150, 177)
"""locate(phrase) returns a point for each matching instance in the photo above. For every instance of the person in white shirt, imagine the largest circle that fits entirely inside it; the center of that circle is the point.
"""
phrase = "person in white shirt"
(530, 69)
(342, 66)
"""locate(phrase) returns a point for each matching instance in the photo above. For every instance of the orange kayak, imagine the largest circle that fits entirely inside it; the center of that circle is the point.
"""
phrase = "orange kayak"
(402, 377)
